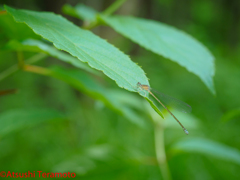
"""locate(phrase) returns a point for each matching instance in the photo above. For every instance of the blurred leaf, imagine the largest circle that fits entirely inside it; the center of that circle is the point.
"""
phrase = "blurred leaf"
(207, 147)
(39, 46)
(22, 118)
(101, 152)
(80, 11)
(231, 115)
(78, 164)
(110, 98)
(14, 30)
(168, 42)
(84, 45)
(85, 161)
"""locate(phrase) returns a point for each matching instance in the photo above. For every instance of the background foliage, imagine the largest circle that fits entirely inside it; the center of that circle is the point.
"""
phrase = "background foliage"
(76, 119)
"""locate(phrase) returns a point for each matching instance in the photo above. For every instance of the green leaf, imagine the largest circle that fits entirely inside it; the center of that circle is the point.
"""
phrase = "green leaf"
(231, 115)
(168, 42)
(20, 119)
(80, 11)
(84, 45)
(89, 48)
(207, 147)
(39, 46)
(109, 97)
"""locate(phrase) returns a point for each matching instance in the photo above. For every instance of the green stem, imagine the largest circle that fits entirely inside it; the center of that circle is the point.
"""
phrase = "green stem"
(8, 72)
(15, 67)
(160, 151)
(111, 9)
(36, 58)
(91, 25)
(20, 59)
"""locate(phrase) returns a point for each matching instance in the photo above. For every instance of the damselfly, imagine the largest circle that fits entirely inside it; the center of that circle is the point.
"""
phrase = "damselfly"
(182, 106)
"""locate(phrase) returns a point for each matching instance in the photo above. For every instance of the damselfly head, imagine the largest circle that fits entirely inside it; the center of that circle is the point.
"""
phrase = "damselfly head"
(143, 87)
(139, 84)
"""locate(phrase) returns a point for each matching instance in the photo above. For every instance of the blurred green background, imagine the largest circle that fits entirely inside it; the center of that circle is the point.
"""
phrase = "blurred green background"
(49, 126)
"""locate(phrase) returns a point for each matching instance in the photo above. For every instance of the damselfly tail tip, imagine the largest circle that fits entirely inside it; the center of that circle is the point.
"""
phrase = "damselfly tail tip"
(186, 131)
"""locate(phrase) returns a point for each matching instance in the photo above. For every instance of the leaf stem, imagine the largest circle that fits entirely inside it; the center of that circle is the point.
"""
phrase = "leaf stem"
(111, 9)
(15, 67)
(37, 70)
(160, 151)
(20, 59)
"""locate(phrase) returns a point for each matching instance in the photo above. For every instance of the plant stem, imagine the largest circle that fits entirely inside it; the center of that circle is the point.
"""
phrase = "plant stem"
(160, 151)
(37, 70)
(15, 67)
(20, 59)
(8, 72)
(91, 25)
(36, 58)
(111, 9)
